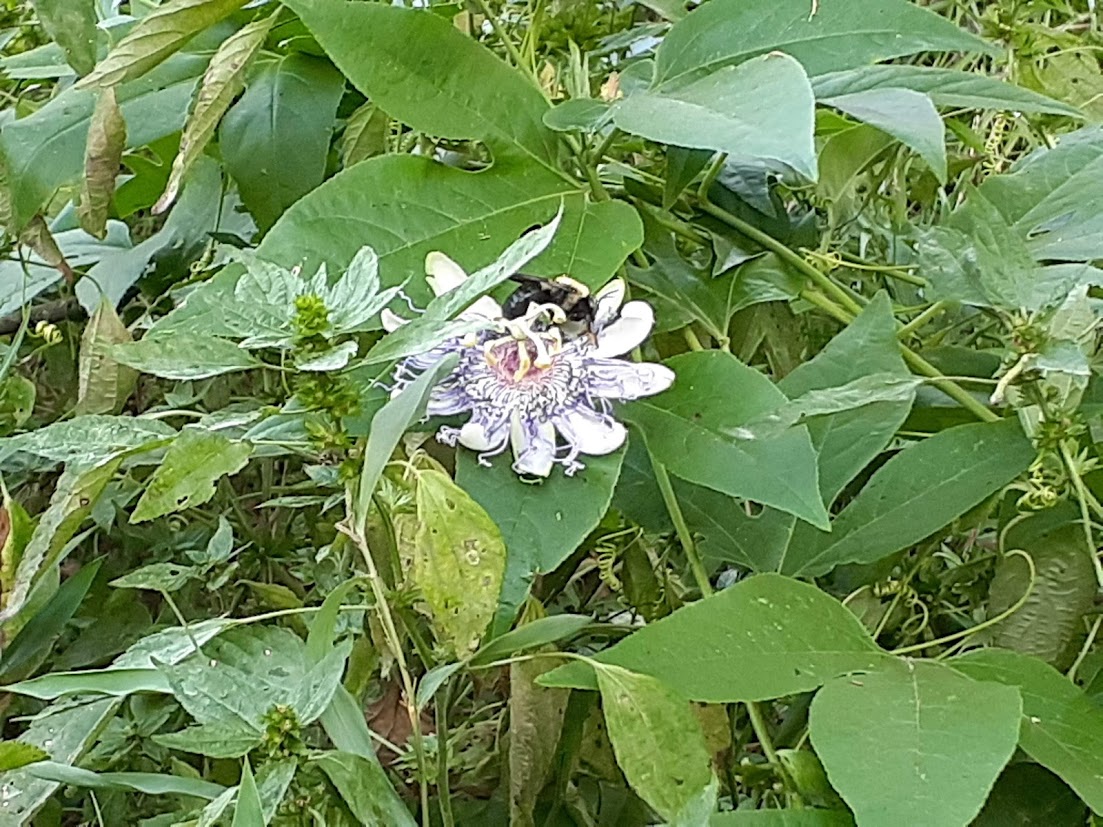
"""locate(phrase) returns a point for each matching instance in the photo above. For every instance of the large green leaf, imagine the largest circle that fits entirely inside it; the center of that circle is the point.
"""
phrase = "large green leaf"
(419, 68)
(184, 356)
(287, 111)
(722, 111)
(916, 493)
(72, 25)
(540, 524)
(46, 150)
(782, 818)
(658, 742)
(1061, 728)
(945, 87)
(405, 206)
(833, 37)
(1054, 197)
(845, 441)
(690, 427)
(764, 637)
(908, 116)
(918, 744)
(365, 788)
(194, 462)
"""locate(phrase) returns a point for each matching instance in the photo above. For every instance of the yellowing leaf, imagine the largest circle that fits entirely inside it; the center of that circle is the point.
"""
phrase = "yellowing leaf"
(104, 384)
(102, 156)
(459, 560)
(187, 476)
(155, 37)
(658, 743)
(222, 82)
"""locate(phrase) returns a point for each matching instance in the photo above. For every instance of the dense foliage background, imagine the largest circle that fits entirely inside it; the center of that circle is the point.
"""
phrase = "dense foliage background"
(845, 570)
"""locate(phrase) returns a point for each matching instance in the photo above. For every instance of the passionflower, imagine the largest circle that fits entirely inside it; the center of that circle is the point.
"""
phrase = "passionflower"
(530, 387)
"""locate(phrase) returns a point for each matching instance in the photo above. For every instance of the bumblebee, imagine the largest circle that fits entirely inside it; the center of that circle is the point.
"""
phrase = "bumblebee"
(572, 297)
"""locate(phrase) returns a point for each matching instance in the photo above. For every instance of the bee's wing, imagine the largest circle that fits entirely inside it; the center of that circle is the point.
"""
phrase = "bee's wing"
(607, 303)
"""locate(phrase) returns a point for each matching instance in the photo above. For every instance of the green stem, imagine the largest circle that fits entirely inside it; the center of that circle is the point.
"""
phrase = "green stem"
(1085, 517)
(444, 794)
(953, 390)
(685, 537)
(920, 320)
(691, 339)
(762, 733)
(510, 46)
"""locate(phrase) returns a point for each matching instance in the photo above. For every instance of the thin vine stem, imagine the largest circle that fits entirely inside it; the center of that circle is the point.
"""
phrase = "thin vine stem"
(681, 528)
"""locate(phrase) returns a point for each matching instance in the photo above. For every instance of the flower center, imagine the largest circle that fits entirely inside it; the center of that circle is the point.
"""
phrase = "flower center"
(520, 362)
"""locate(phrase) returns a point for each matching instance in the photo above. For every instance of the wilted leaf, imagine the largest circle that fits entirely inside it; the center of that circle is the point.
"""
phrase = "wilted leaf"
(222, 82)
(186, 477)
(156, 36)
(102, 156)
(104, 384)
(459, 560)
(535, 720)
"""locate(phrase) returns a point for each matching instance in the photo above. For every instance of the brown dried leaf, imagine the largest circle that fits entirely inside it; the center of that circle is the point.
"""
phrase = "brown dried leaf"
(102, 157)
(104, 385)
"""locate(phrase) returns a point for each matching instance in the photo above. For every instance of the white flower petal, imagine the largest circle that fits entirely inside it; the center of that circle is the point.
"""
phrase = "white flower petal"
(447, 402)
(442, 273)
(391, 321)
(483, 436)
(608, 300)
(616, 379)
(631, 327)
(533, 447)
(590, 432)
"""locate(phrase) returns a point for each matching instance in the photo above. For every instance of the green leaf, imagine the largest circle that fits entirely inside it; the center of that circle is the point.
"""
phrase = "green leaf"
(459, 560)
(184, 356)
(531, 635)
(141, 782)
(16, 754)
(916, 493)
(155, 37)
(908, 116)
(112, 681)
(657, 740)
(222, 82)
(1054, 197)
(782, 818)
(365, 135)
(945, 87)
(469, 216)
(365, 789)
(80, 441)
(835, 36)
(318, 686)
(915, 744)
(64, 731)
(248, 811)
(45, 151)
(390, 423)
(287, 111)
(76, 493)
(541, 524)
(32, 644)
(1049, 625)
(323, 628)
(162, 577)
(687, 429)
(186, 477)
(102, 159)
(103, 384)
(1061, 728)
(722, 111)
(223, 739)
(417, 67)
(72, 25)
(578, 114)
(682, 167)
(787, 637)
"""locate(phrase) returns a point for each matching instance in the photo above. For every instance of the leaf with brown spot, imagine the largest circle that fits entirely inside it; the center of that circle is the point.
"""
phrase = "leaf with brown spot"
(102, 157)
(104, 385)
(222, 82)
